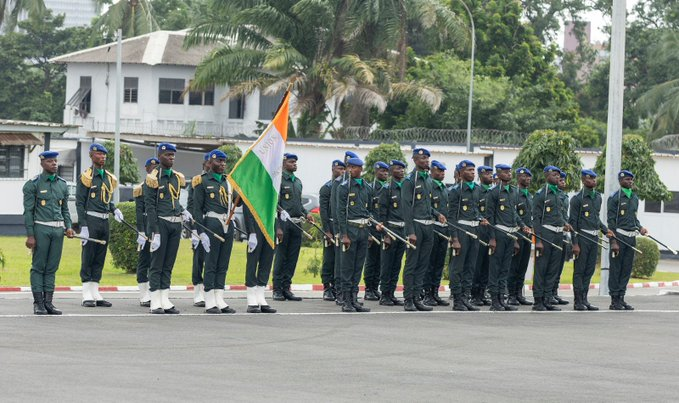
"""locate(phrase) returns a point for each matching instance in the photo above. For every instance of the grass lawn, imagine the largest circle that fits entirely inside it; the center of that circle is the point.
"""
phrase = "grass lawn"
(18, 264)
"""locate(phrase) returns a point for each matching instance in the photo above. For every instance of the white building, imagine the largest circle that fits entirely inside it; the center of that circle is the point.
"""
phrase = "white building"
(77, 13)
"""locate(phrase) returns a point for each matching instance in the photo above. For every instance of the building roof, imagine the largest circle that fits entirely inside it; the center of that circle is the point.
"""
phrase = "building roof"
(24, 126)
(159, 47)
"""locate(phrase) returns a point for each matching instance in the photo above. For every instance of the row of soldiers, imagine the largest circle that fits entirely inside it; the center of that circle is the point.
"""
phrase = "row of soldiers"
(487, 228)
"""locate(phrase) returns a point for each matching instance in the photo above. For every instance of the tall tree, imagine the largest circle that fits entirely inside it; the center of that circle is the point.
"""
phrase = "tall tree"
(133, 17)
(129, 173)
(11, 9)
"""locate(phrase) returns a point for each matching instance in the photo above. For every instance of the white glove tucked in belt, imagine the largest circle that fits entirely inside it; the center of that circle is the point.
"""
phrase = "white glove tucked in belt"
(155, 243)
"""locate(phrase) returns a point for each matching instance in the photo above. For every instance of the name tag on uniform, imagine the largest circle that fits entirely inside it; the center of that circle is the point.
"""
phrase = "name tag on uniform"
(210, 187)
(94, 187)
(161, 187)
(585, 205)
(547, 201)
(418, 186)
(43, 191)
(352, 194)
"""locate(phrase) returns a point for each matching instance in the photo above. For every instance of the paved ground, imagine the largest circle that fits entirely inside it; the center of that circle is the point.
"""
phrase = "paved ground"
(313, 353)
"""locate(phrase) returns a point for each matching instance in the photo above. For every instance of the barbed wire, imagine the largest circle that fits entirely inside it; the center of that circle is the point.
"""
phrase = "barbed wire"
(426, 135)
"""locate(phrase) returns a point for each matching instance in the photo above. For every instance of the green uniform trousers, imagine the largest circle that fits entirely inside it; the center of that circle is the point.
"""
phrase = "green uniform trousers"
(371, 273)
(198, 264)
(144, 263)
(517, 271)
(437, 259)
(463, 265)
(49, 242)
(391, 261)
(162, 260)
(417, 260)
(547, 265)
(500, 261)
(258, 265)
(328, 268)
(621, 266)
(354, 258)
(584, 265)
(287, 254)
(94, 254)
(217, 260)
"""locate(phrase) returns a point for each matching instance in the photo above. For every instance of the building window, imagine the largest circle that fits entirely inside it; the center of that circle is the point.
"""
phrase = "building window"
(131, 92)
(12, 162)
(82, 99)
(170, 91)
(652, 206)
(206, 97)
(66, 172)
(268, 105)
(672, 206)
(237, 107)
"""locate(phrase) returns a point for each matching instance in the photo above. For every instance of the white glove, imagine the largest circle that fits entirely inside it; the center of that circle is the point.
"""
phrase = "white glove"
(118, 215)
(205, 240)
(187, 216)
(155, 243)
(195, 239)
(284, 215)
(85, 233)
(141, 241)
(252, 242)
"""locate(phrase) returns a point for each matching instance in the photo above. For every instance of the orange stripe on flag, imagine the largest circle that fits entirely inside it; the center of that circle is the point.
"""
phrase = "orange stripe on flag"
(281, 118)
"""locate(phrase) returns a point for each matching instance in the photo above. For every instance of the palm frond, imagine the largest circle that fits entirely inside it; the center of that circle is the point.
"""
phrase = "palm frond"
(431, 96)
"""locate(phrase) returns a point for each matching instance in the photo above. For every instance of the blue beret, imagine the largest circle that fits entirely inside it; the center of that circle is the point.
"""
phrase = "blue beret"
(465, 164)
(421, 151)
(98, 147)
(355, 161)
(206, 156)
(151, 161)
(524, 170)
(338, 163)
(625, 174)
(398, 163)
(502, 167)
(215, 154)
(350, 154)
(164, 147)
(563, 175)
(438, 165)
(588, 172)
(381, 164)
(290, 156)
(45, 155)
(551, 168)
(494, 176)
(484, 168)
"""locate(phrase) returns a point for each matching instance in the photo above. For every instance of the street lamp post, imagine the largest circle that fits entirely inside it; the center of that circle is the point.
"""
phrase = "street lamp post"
(471, 80)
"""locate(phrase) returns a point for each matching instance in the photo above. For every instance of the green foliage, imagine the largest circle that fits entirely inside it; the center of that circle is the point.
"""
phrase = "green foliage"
(129, 173)
(174, 15)
(645, 264)
(637, 157)
(315, 233)
(11, 10)
(547, 147)
(315, 264)
(588, 133)
(384, 152)
(134, 18)
(233, 154)
(122, 241)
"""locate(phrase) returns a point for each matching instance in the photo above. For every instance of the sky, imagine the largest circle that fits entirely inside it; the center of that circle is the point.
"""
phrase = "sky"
(599, 22)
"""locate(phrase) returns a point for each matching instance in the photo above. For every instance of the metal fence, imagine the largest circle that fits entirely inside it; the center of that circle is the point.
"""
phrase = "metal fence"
(424, 135)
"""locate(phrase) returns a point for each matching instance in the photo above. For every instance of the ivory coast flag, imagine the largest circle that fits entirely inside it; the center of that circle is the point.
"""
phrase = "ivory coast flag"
(257, 175)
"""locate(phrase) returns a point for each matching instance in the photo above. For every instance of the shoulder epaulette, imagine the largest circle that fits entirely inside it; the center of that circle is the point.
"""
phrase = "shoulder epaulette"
(328, 183)
(196, 180)
(35, 179)
(344, 182)
(137, 191)
(61, 179)
(112, 178)
(86, 178)
(152, 179)
(181, 177)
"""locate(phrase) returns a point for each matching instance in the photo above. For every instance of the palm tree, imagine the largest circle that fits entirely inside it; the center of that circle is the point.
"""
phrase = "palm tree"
(265, 44)
(134, 17)
(10, 10)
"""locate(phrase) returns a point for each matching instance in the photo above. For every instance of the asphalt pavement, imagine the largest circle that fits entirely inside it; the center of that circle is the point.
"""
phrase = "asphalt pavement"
(312, 352)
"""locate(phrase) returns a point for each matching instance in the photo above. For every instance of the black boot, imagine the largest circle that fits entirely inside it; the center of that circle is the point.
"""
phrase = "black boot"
(39, 304)
(625, 305)
(347, 302)
(339, 298)
(539, 304)
(386, 299)
(522, 300)
(439, 300)
(420, 306)
(429, 298)
(507, 307)
(358, 307)
(278, 295)
(290, 296)
(578, 305)
(495, 304)
(485, 297)
(327, 293)
(615, 304)
(458, 305)
(585, 301)
(513, 300)
(51, 309)
(477, 297)
(550, 306)
(370, 295)
(466, 300)
(559, 300)
(409, 305)
(377, 293)
(395, 300)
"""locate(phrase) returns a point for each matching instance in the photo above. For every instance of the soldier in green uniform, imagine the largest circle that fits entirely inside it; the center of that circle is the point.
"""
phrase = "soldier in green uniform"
(437, 259)
(517, 271)
(390, 214)
(480, 279)
(328, 270)
(371, 273)
(549, 224)
(258, 265)
(333, 209)
(584, 218)
(463, 212)
(566, 244)
(292, 209)
(93, 195)
(623, 222)
(501, 203)
(144, 247)
(213, 201)
(354, 198)
(46, 217)
(165, 215)
(419, 217)
(198, 264)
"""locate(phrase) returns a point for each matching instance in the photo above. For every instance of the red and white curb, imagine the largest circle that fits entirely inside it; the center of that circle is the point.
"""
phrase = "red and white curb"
(319, 287)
